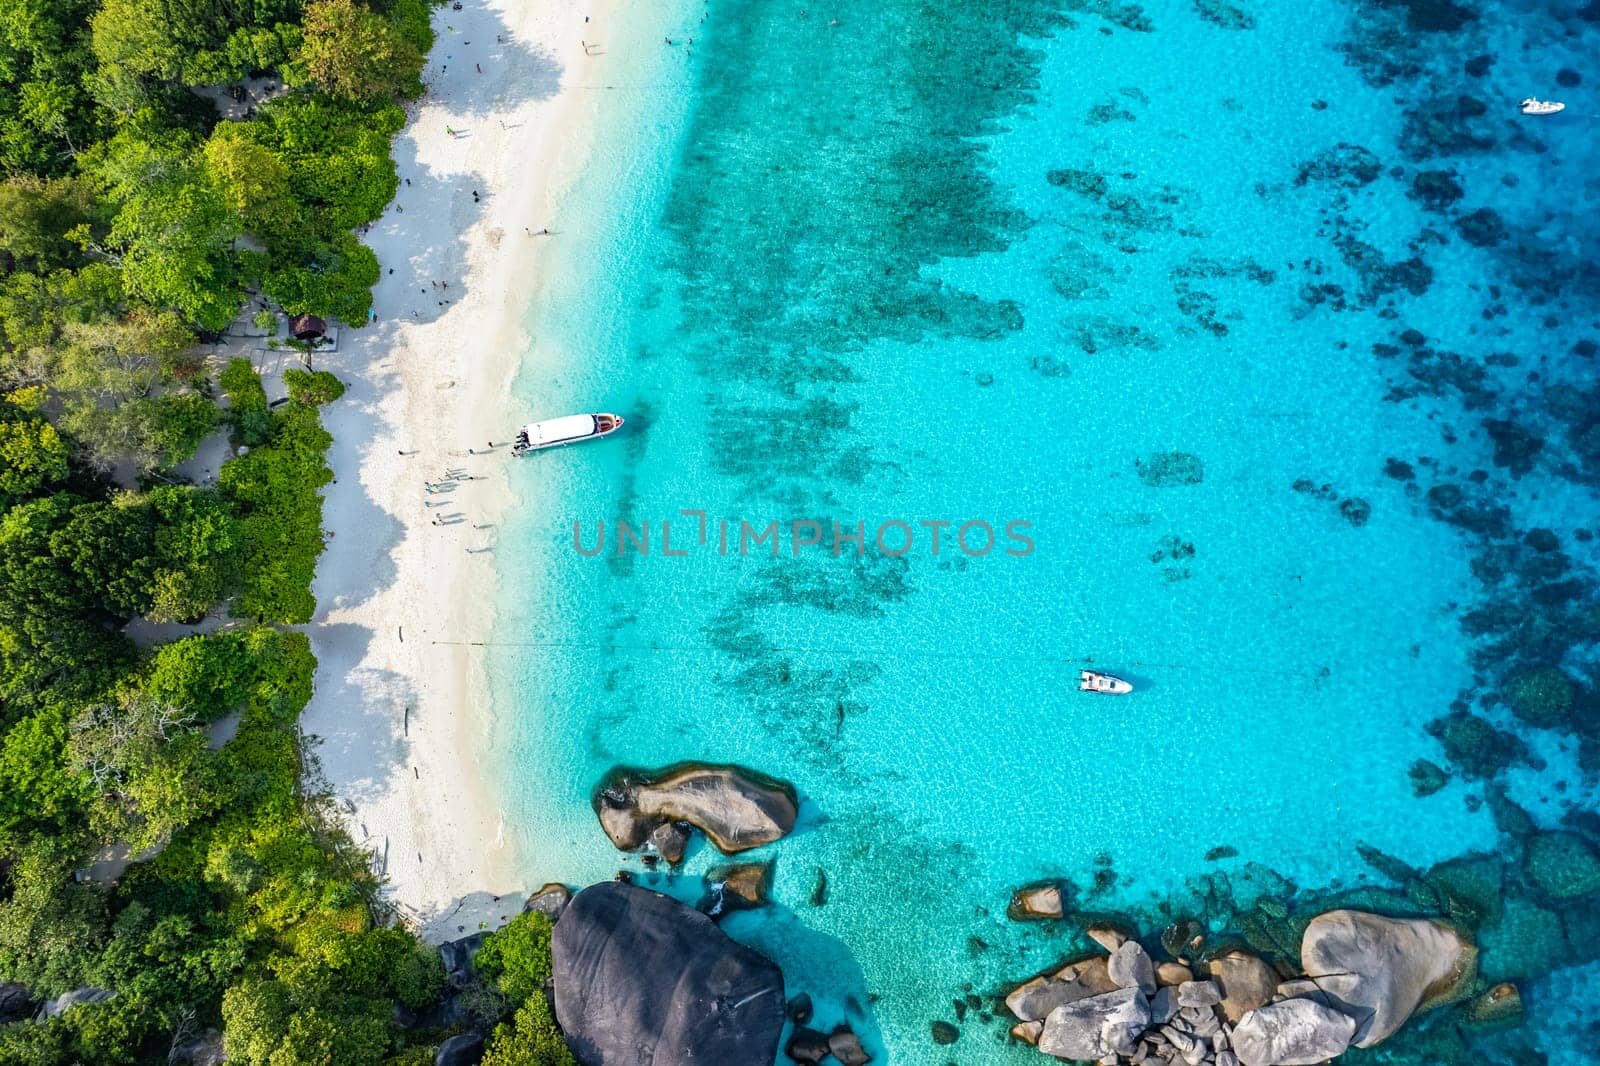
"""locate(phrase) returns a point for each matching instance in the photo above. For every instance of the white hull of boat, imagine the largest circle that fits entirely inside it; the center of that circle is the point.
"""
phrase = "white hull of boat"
(1531, 106)
(1104, 684)
(569, 429)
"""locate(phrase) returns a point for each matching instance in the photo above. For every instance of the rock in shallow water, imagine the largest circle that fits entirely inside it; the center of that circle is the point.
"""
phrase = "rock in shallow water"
(737, 809)
(640, 977)
(1130, 967)
(1379, 970)
(1032, 902)
(1293, 1032)
(550, 900)
(1246, 982)
(1109, 1024)
(806, 1045)
(846, 1047)
(1033, 1000)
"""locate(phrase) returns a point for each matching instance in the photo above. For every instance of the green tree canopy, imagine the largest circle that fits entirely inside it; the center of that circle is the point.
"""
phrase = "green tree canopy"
(517, 957)
(32, 453)
(530, 1039)
(352, 52)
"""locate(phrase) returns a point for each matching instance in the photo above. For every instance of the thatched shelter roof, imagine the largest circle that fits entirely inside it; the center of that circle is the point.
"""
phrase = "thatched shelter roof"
(307, 327)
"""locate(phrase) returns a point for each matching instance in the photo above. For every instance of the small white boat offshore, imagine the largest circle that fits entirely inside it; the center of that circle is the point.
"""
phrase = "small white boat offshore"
(1105, 684)
(1532, 106)
(568, 429)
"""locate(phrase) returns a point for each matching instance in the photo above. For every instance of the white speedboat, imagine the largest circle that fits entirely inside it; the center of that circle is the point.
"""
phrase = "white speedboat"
(1532, 106)
(568, 429)
(1105, 684)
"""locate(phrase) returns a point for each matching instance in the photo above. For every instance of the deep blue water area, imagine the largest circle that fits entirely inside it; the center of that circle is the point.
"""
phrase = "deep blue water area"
(1273, 325)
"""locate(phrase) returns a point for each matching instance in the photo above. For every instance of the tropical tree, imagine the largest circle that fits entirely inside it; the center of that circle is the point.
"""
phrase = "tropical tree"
(32, 453)
(530, 1039)
(352, 52)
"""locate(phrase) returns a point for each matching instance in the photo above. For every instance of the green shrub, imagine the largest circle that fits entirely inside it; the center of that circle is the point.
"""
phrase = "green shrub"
(532, 1039)
(207, 676)
(517, 957)
(312, 387)
(247, 402)
(276, 490)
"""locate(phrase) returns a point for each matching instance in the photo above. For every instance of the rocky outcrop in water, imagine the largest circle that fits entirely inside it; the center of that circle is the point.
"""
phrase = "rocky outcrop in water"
(1292, 1032)
(737, 809)
(641, 978)
(1366, 975)
(1379, 970)
(550, 900)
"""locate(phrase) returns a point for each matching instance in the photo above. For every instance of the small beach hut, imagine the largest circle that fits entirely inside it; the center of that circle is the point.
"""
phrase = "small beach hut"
(307, 328)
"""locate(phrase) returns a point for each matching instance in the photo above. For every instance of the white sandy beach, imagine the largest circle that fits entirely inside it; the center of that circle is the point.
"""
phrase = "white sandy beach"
(402, 719)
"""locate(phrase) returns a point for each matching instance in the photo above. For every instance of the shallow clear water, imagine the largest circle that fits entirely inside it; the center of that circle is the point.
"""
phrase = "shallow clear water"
(977, 262)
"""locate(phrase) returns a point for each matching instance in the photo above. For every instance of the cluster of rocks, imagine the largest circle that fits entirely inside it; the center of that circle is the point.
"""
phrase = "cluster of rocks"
(1361, 977)
(736, 809)
(809, 1046)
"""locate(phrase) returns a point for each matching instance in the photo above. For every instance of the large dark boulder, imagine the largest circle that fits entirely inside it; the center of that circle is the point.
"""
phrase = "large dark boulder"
(458, 955)
(642, 980)
(465, 1049)
(15, 1002)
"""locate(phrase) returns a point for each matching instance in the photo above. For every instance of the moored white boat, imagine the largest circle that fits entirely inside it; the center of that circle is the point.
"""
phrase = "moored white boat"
(1535, 106)
(1105, 684)
(568, 429)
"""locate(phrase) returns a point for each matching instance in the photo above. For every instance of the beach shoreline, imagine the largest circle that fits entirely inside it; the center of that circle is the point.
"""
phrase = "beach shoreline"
(401, 712)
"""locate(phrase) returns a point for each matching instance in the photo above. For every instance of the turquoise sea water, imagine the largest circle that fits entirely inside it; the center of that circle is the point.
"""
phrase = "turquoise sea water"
(993, 262)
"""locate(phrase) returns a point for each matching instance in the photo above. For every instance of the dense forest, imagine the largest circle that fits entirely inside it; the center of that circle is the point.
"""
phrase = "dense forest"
(136, 221)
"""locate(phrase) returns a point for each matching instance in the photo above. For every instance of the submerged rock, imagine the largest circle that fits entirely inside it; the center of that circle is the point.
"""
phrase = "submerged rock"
(640, 977)
(1427, 778)
(1347, 165)
(1292, 1032)
(1562, 864)
(1500, 1007)
(1167, 469)
(1379, 970)
(1092, 1028)
(737, 809)
(1483, 228)
(1542, 697)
